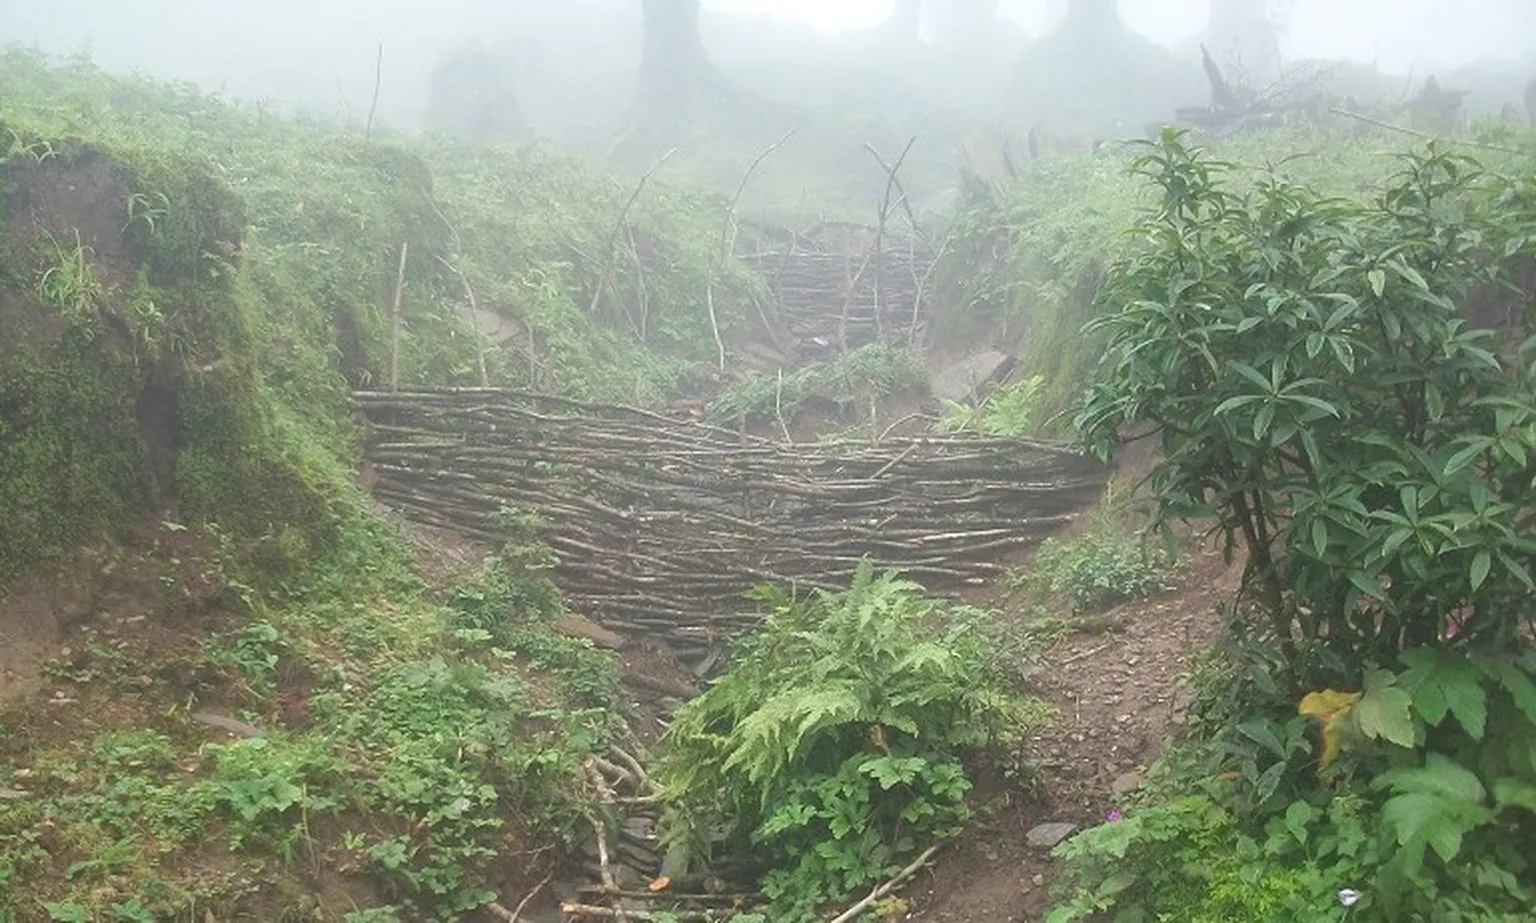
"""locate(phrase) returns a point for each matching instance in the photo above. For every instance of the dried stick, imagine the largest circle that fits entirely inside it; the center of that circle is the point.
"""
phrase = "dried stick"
(522, 904)
(727, 238)
(605, 867)
(1426, 136)
(922, 289)
(378, 81)
(609, 913)
(778, 407)
(634, 766)
(612, 769)
(474, 311)
(886, 888)
(728, 247)
(644, 323)
(618, 225)
(394, 320)
(884, 214)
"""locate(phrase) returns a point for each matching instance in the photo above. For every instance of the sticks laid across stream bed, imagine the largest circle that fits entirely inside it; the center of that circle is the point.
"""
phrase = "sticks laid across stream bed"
(661, 525)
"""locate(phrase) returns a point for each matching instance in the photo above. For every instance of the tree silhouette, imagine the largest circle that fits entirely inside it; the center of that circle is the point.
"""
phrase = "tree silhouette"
(674, 69)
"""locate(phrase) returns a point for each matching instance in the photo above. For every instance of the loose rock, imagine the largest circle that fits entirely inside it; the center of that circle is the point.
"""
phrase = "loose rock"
(1047, 836)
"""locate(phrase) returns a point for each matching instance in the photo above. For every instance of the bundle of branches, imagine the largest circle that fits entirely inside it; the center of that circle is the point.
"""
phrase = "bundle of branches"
(661, 526)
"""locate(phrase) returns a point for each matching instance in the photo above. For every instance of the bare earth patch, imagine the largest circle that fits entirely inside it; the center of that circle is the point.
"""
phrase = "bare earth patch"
(1118, 694)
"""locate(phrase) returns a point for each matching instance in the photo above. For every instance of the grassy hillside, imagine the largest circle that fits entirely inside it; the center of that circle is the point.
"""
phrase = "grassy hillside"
(224, 688)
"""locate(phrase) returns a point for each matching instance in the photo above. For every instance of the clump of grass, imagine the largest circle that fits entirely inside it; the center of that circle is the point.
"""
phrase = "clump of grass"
(851, 380)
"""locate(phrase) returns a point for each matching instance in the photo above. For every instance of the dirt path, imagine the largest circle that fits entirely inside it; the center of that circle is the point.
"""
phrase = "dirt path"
(1118, 692)
(1115, 681)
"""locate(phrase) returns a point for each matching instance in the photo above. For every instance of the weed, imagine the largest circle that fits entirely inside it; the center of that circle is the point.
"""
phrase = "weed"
(252, 652)
(1101, 568)
(1010, 410)
(70, 284)
(832, 746)
(148, 209)
(851, 381)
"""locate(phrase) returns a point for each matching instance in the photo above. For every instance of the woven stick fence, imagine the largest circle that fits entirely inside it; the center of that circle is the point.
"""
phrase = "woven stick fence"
(661, 525)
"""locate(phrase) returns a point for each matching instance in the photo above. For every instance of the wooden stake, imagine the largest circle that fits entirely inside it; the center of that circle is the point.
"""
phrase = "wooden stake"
(394, 320)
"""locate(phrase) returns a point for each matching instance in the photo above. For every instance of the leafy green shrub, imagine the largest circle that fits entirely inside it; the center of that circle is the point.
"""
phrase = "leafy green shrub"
(1011, 410)
(832, 747)
(1319, 394)
(1101, 568)
(849, 381)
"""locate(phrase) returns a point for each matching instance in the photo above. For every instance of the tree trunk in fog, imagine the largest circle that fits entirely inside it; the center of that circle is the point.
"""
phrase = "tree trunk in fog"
(673, 65)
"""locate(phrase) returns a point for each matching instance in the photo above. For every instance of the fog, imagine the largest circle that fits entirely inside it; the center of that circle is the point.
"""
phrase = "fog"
(570, 68)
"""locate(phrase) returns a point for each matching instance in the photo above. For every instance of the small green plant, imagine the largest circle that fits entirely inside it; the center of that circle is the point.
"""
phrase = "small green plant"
(1010, 410)
(850, 381)
(40, 151)
(147, 208)
(1101, 568)
(70, 284)
(253, 652)
(832, 747)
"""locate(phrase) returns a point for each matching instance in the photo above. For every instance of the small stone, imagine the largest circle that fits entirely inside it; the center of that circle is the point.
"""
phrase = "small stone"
(1125, 784)
(1122, 719)
(1047, 836)
(1037, 879)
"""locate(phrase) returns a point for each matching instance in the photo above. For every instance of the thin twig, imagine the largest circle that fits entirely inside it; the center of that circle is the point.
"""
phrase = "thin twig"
(474, 321)
(378, 81)
(891, 184)
(886, 888)
(1084, 655)
(1426, 136)
(618, 225)
(778, 408)
(608, 913)
(604, 866)
(522, 904)
(728, 240)
(728, 247)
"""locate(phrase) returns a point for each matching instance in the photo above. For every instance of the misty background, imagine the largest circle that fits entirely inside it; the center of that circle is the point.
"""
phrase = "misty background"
(567, 71)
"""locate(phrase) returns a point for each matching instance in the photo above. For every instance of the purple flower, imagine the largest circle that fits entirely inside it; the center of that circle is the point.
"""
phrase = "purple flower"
(1113, 815)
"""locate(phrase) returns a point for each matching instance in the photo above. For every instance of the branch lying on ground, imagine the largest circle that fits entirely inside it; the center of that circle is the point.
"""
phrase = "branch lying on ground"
(888, 887)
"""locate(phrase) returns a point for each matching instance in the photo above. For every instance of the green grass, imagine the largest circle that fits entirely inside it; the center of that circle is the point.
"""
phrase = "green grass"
(436, 736)
(1024, 261)
(325, 214)
(253, 272)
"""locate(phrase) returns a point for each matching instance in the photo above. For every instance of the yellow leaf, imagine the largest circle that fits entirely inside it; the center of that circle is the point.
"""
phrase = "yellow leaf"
(1330, 707)
(1329, 703)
